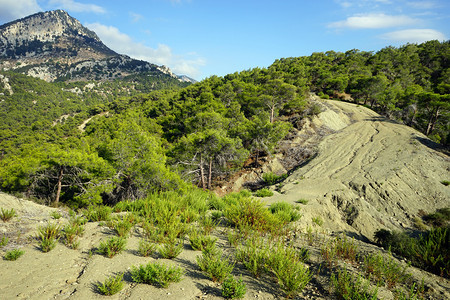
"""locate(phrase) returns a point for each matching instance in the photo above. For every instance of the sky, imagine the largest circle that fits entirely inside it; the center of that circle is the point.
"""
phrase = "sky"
(202, 38)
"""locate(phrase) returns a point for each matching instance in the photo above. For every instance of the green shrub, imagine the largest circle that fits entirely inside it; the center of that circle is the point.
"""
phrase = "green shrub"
(122, 227)
(318, 220)
(13, 254)
(445, 182)
(302, 201)
(440, 218)
(214, 265)
(146, 248)
(347, 286)
(4, 241)
(285, 212)
(346, 248)
(98, 213)
(112, 246)
(156, 274)
(250, 213)
(264, 193)
(55, 215)
(7, 214)
(70, 233)
(271, 178)
(208, 224)
(112, 285)
(200, 241)
(48, 235)
(384, 271)
(233, 288)
(254, 256)
(429, 251)
(171, 248)
(287, 265)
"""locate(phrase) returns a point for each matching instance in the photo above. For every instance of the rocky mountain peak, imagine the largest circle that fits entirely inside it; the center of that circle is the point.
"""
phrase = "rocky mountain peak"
(53, 46)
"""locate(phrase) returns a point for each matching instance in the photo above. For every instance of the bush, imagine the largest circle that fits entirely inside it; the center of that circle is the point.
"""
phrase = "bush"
(122, 227)
(429, 251)
(146, 248)
(200, 241)
(98, 213)
(7, 214)
(287, 265)
(250, 213)
(384, 271)
(156, 274)
(112, 285)
(271, 178)
(48, 235)
(112, 246)
(55, 215)
(347, 286)
(13, 254)
(214, 265)
(285, 212)
(440, 218)
(171, 248)
(4, 241)
(254, 256)
(233, 288)
(264, 193)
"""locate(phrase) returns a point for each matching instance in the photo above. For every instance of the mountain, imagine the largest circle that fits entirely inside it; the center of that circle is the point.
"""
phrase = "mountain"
(55, 47)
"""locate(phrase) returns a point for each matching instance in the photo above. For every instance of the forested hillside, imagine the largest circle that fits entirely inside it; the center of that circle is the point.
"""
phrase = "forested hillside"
(129, 147)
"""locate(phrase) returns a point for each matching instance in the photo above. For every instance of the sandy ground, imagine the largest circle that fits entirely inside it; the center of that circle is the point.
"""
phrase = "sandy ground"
(369, 173)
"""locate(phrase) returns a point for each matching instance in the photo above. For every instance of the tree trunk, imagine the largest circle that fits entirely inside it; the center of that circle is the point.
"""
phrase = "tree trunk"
(432, 121)
(272, 109)
(209, 174)
(202, 174)
(58, 190)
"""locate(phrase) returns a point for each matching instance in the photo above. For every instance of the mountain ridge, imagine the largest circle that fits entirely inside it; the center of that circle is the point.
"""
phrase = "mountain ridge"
(54, 46)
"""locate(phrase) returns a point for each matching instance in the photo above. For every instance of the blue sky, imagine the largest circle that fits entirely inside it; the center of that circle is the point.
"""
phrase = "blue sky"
(201, 38)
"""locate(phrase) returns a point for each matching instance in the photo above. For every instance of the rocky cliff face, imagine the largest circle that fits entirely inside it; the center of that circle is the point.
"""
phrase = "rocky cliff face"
(54, 46)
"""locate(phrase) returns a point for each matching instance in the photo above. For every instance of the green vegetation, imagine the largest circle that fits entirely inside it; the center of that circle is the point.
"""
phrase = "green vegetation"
(264, 193)
(111, 286)
(233, 288)
(4, 241)
(7, 214)
(112, 246)
(348, 286)
(156, 274)
(213, 264)
(146, 248)
(13, 254)
(48, 235)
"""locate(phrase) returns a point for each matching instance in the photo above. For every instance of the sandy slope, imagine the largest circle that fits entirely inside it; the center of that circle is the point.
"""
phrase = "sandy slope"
(371, 173)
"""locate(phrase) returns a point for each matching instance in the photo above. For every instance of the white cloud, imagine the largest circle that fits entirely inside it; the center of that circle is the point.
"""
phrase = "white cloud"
(372, 21)
(422, 4)
(414, 35)
(122, 43)
(135, 17)
(74, 6)
(12, 10)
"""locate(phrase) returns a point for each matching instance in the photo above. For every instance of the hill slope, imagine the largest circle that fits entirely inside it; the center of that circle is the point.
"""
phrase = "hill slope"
(370, 173)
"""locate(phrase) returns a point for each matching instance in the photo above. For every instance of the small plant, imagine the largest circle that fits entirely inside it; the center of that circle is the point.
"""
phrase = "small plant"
(122, 227)
(445, 182)
(98, 213)
(48, 235)
(4, 241)
(285, 212)
(112, 285)
(55, 215)
(347, 286)
(233, 238)
(318, 220)
(146, 248)
(310, 235)
(385, 271)
(233, 288)
(201, 242)
(208, 224)
(214, 265)
(345, 248)
(302, 201)
(156, 274)
(7, 214)
(271, 178)
(265, 192)
(171, 248)
(254, 256)
(112, 246)
(13, 254)
(70, 233)
(288, 267)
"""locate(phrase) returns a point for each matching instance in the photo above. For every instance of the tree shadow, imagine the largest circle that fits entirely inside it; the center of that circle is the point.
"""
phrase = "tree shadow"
(433, 145)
